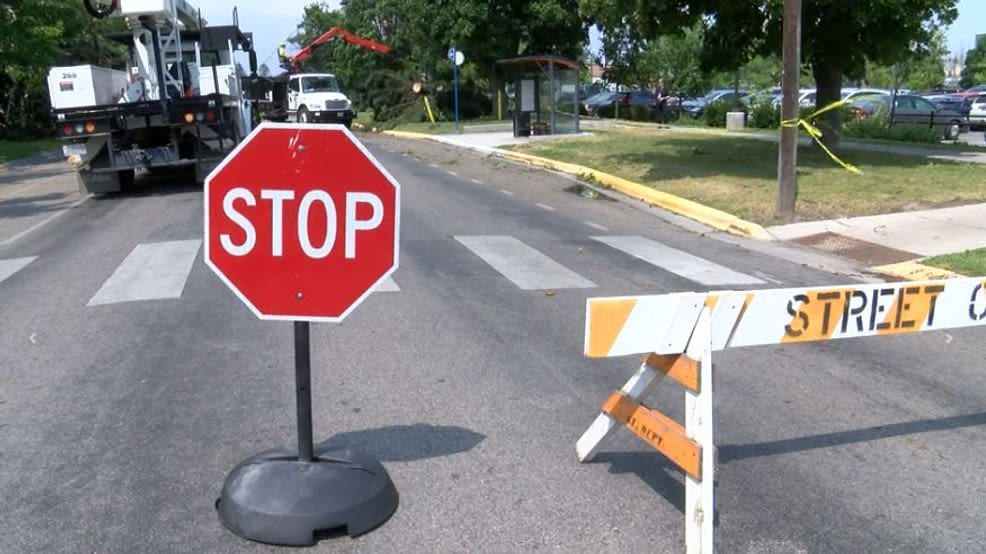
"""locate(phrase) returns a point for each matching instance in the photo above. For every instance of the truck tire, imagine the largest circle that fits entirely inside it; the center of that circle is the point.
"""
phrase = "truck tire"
(126, 177)
(303, 115)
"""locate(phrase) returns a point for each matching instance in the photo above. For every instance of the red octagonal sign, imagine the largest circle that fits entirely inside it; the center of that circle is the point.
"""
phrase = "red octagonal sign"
(301, 221)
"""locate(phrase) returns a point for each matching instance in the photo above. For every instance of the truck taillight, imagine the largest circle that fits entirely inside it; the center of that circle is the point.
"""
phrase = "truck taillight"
(210, 116)
(67, 130)
(90, 127)
(79, 128)
(189, 117)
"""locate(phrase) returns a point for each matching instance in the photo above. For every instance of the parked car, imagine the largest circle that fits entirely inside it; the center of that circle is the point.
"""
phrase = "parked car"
(696, 106)
(977, 113)
(848, 93)
(912, 110)
(597, 100)
(606, 107)
(972, 92)
(949, 101)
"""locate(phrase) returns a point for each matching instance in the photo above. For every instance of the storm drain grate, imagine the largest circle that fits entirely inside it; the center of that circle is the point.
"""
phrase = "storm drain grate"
(855, 249)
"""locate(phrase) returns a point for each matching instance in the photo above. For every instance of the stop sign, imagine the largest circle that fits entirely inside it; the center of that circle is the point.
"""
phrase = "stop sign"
(301, 221)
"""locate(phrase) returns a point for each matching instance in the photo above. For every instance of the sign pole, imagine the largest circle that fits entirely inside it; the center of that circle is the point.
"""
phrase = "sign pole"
(455, 85)
(303, 380)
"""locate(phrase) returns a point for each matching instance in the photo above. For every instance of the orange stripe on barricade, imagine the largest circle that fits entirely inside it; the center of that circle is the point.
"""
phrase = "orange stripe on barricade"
(679, 367)
(657, 430)
(913, 307)
(817, 315)
(608, 319)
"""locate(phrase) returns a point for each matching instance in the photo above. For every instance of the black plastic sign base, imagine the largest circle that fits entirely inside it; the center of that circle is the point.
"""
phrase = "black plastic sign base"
(274, 498)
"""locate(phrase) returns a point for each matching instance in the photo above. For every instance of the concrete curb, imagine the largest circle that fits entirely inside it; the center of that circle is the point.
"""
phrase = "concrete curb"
(693, 210)
(914, 271)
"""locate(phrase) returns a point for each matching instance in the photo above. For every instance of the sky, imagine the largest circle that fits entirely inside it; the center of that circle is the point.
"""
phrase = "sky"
(273, 21)
(971, 21)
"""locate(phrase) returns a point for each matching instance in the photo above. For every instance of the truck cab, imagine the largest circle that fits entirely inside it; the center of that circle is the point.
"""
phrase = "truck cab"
(316, 97)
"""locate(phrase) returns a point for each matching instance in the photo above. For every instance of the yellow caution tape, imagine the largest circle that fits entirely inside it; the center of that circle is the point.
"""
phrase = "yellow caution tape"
(816, 133)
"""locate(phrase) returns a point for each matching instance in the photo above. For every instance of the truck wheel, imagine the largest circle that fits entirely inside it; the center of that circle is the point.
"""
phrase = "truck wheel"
(126, 179)
(302, 115)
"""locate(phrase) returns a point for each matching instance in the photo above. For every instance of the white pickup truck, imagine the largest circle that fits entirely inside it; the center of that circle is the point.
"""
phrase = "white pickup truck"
(315, 97)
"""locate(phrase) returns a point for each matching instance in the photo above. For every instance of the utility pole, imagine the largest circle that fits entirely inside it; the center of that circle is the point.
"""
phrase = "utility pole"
(787, 158)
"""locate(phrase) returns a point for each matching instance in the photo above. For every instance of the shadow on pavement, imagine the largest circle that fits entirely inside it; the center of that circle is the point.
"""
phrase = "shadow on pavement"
(653, 469)
(32, 205)
(733, 452)
(405, 443)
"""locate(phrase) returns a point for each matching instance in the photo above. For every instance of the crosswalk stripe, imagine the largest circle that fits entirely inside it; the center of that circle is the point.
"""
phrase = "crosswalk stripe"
(522, 265)
(389, 285)
(9, 267)
(678, 262)
(150, 272)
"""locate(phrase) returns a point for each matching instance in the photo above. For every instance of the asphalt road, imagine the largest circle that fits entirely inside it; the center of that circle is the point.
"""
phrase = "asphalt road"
(120, 418)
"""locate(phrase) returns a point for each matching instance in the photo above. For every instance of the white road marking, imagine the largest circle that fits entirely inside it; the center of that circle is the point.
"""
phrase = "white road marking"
(433, 165)
(507, 192)
(678, 262)
(522, 265)
(452, 173)
(388, 286)
(41, 223)
(477, 181)
(596, 226)
(544, 206)
(150, 272)
(9, 267)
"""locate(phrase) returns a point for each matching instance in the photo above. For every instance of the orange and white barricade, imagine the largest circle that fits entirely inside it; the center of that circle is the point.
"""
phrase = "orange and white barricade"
(679, 332)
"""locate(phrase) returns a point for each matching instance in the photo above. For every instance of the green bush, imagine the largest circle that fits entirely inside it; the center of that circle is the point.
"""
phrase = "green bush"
(763, 114)
(869, 128)
(915, 133)
(877, 127)
(639, 113)
(715, 113)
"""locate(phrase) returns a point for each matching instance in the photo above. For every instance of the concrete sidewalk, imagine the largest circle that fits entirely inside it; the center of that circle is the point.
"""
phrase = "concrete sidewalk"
(889, 244)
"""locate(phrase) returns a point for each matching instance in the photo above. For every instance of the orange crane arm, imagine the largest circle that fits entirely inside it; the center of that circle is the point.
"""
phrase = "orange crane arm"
(332, 33)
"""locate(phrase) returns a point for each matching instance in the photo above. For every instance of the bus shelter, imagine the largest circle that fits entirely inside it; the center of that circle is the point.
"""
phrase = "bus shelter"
(545, 94)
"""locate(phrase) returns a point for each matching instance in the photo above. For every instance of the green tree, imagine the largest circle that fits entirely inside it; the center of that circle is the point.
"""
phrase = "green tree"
(837, 37)
(974, 71)
(676, 58)
(923, 69)
(421, 32)
(34, 36)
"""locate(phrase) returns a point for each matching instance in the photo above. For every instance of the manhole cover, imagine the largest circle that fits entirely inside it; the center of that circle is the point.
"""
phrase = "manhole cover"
(855, 249)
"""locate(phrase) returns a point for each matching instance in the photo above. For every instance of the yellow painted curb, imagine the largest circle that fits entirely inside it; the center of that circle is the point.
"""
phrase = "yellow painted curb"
(914, 271)
(409, 134)
(693, 210)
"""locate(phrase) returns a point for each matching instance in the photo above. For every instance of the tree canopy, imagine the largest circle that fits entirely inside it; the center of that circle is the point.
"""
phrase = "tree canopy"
(837, 37)
(421, 32)
(974, 72)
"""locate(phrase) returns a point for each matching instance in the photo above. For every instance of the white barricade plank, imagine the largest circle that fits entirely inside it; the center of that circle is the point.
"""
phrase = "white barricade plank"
(779, 316)
(638, 324)
(700, 427)
(638, 387)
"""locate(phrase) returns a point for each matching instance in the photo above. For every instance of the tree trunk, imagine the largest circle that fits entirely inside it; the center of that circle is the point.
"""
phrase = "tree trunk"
(828, 80)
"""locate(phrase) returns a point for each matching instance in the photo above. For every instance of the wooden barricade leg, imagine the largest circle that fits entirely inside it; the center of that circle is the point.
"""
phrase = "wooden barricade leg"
(700, 427)
(637, 388)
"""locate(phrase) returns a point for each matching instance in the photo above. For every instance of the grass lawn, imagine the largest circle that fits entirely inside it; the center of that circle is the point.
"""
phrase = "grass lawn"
(970, 262)
(14, 150)
(739, 176)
